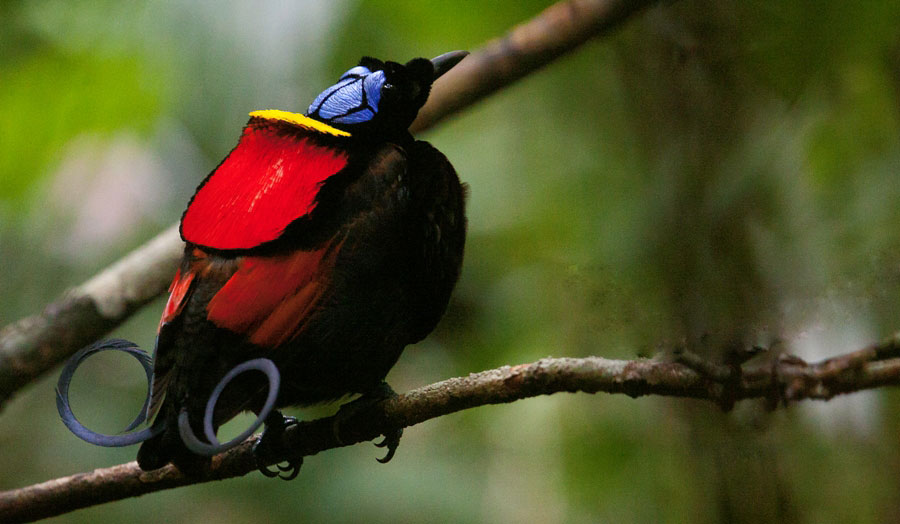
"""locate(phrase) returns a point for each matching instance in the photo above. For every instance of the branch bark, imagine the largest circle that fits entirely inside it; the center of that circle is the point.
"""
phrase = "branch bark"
(34, 345)
(787, 379)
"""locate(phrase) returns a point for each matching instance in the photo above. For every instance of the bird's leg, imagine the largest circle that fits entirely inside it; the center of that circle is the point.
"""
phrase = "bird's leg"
(270, 446)
(391, 437)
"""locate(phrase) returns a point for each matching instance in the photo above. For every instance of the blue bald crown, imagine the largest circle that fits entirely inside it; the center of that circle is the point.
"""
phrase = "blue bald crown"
(353, 100)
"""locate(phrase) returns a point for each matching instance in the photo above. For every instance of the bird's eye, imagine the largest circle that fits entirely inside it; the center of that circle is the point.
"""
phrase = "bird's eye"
(390, 91)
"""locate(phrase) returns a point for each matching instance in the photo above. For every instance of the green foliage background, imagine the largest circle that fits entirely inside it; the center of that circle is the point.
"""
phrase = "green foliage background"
(727, 169)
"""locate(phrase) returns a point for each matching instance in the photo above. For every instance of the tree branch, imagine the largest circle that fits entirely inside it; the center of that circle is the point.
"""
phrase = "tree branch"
(784, 380)
(559, 29)
(36, 344)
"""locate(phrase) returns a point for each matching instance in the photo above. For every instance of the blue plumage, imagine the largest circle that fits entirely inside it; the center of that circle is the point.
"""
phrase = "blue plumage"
(353, 100)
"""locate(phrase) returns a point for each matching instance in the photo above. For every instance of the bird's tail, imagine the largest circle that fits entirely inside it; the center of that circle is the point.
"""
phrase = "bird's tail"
(168, 446)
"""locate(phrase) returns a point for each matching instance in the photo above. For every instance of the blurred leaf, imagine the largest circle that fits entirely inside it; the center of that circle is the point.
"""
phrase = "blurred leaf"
(51, 97)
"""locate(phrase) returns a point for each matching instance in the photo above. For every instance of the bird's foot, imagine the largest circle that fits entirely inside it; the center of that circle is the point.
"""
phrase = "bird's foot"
(271, 447)
(391, 438)
(391, 441)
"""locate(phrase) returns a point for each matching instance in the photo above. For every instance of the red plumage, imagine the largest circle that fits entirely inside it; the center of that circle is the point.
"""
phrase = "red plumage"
(268, 314)
(269, 180)
(178, 291)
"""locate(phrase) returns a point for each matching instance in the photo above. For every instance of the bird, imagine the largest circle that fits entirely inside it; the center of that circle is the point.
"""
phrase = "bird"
(325, 242)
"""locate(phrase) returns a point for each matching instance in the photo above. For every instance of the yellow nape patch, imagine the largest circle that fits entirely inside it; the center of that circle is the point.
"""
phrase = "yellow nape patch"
(298, 120)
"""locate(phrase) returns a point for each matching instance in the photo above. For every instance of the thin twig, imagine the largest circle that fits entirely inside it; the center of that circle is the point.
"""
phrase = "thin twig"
(787, 379)
(34, 345)
(558, 30)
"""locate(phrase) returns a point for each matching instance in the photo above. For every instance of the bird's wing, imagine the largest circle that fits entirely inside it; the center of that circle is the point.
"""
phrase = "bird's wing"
(179, 292)
(269, 299)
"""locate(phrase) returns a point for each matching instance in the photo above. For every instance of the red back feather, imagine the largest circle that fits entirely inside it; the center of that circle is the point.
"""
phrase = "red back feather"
(178, 292)
(269, 180)
(269, 298)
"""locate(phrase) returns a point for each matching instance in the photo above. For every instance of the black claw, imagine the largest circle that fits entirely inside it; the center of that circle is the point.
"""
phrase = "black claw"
(391, 442)
(293, 467)
(387, 458)
(265, 469)
(348, 410)
(271, 446)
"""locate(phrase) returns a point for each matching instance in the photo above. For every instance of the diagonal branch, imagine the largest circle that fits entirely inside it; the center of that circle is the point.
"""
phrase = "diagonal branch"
(785, 379)
(36, 344)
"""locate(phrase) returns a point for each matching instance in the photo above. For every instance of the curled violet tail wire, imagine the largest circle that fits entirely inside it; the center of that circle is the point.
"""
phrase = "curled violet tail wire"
(201, 448)
(190, 440)
(76, 427)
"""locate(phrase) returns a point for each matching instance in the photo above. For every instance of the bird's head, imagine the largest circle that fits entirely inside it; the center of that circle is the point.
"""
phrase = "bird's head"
(380, 97)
